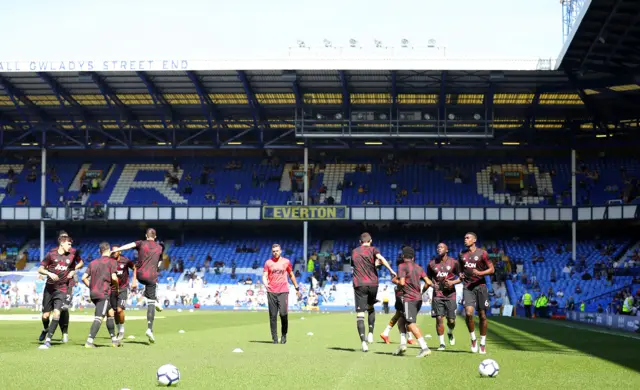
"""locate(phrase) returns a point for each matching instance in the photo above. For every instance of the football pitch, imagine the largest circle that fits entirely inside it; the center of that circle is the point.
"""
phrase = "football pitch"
(531, 354)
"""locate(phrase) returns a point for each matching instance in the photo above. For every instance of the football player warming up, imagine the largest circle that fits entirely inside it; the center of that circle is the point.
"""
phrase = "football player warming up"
(475, 265)
(444, 271)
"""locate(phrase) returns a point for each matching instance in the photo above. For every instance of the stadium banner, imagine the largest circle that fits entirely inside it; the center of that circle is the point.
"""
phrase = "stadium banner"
(354, 62)
(305, 213)
(613, 321)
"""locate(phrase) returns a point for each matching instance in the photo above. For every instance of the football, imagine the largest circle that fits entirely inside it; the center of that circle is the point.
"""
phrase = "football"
(489, 368)
(168, 375)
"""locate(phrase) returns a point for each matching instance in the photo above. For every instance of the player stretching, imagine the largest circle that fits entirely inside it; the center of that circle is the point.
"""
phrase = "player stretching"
(99, 277)
(408, 278)
(475, 264)
(444, 271)
(274, 277)
(149, 258)
(365, 284)
(59, 266)
(120, 295)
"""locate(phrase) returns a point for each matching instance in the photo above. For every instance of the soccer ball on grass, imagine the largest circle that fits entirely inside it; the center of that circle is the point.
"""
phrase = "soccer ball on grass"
(489, 368)
(168, 375)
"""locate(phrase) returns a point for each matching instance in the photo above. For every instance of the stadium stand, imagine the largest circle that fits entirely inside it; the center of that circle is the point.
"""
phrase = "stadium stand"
(445, 181)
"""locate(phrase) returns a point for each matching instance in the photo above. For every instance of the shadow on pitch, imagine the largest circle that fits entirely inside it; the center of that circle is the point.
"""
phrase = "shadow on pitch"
(261, 342)
(547, 336)
(342, 349)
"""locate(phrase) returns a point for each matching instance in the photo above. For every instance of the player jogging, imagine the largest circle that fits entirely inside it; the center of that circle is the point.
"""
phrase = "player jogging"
(149, 257)
(408, 278)
(396, 317)
(475, 265)
(59, 265)
(99, 277)
(274, 277)
(365, 284)
(68, 301)
(120, 295)
(444, 271)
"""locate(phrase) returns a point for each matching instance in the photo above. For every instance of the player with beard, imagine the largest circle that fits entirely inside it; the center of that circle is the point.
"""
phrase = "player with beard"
(274, 278)
(59, 266)
(475, 265)
(99, 277)
(409, 280)
(365, 285)
(443, 271)
(120, 295)
(149, 258)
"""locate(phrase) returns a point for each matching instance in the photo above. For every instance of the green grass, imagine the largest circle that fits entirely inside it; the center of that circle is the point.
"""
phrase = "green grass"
(531, 354)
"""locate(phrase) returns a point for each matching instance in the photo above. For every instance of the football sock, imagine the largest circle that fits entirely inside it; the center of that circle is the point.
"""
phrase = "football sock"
(473, 336)
(372, 320)
(121, 328)
(450, 329)
(111, 327)
(284, 322)
(403, 338)
(441, 338)
(483, 340)
(45, 323)
(410, 336)
(52, 328)
(387, 330)
(64, 321)
(361, 329)
(151, 313)
(423, 344)
(95, 327)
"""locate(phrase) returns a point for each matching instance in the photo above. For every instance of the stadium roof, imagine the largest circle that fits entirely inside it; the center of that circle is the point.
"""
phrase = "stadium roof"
(271, 108)
(606, 38)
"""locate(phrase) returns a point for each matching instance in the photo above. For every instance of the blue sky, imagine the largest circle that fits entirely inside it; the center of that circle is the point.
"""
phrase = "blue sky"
(213, 29)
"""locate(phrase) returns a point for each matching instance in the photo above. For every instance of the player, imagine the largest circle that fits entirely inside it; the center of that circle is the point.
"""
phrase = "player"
(274, 277)
(120, 295)
(365, 284)
(408, 279)
(99, 277)
(59, 266)
(149, 258)
(475, 265)
(443, 271)
(396, 317)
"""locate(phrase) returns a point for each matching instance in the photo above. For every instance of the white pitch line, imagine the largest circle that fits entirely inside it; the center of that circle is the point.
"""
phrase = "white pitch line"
(73, 318)
(594, 330)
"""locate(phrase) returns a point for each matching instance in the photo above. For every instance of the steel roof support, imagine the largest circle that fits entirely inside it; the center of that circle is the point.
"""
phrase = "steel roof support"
(346, 96)
(599, 36)
(159, 102)
(63, 96)
(254, 106)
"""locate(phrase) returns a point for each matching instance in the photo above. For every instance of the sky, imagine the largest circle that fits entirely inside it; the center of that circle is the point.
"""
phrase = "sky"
(215, 29)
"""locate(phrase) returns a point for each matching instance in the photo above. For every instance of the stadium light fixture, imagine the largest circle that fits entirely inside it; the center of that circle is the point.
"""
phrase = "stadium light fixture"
(511, 143)
(320, 116)
(601, 136)
(404, 43)
(477, 116)
(378, 43)
(427, 117)
(301, 44)
(452, 117)
(353, 42)
(299, 143)
(234, 143)
(431, 43)
(327, 43)
(383, 117)
(338, 116)
(373, 143)
(163, 143)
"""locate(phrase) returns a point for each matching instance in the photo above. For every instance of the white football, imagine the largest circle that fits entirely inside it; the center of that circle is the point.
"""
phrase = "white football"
(168, 375)
(489, 368)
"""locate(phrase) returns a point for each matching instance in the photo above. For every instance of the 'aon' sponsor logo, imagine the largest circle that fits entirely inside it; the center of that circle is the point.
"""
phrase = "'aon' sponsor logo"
(469, 265)
(60, 267)
(442, 274)
(119, 273)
